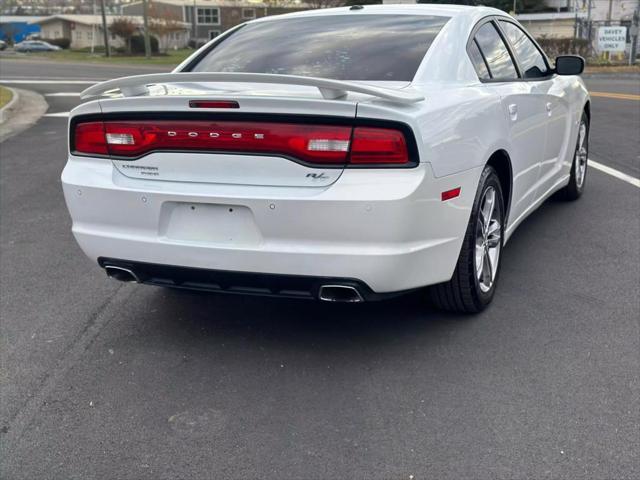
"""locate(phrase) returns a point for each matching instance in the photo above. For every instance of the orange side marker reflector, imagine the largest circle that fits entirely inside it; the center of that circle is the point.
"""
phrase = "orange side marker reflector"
(449, 194)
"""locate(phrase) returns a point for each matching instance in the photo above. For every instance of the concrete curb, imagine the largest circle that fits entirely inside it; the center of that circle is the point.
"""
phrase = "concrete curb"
(612, 75)
(15, 96)
(24, 112)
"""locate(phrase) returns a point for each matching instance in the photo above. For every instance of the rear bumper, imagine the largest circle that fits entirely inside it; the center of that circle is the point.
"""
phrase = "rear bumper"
(388, 229)
(242, 283)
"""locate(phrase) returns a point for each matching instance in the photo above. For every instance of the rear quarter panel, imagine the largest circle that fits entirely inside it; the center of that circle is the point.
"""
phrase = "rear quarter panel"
(456, 128)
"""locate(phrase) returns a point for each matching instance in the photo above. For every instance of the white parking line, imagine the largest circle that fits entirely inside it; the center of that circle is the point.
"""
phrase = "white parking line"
(615, 173)
(57, 114)
(63, 94)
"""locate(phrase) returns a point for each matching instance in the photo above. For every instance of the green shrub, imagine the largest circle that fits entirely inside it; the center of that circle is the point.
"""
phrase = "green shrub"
(137, 44)
(555, 47)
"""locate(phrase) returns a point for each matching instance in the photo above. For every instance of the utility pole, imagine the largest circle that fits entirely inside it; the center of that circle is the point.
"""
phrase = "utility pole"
(107, 50)
(609, 23)
(575, 22)
(93, 28)
(147, 40)
(193, 25)
(589, 27)
(634, 36)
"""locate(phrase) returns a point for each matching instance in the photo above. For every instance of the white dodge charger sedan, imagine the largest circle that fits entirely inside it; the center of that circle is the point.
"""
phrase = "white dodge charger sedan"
(347, 155)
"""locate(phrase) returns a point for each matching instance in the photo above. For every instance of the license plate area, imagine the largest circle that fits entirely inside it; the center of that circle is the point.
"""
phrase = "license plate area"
(214, 224)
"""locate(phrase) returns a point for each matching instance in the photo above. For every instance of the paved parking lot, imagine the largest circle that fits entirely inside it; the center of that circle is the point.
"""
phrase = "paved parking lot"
(108, 380)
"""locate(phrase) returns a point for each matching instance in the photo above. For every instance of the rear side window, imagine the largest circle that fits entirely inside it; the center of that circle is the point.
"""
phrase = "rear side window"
(530, 58)
(478, 61)
(496, 53)
(342, 47)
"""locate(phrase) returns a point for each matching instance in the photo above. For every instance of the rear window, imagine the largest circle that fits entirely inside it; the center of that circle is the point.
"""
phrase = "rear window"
(341, 47)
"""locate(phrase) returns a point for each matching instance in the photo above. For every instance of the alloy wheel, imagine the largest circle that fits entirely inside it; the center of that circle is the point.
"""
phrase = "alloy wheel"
(581, 155)
(488, 239)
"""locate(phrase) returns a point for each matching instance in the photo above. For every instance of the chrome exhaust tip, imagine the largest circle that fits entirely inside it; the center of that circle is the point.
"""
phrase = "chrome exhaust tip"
(121, 274)
(340, 293)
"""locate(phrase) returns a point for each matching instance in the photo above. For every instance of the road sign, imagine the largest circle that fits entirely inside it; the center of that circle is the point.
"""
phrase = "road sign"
(612, 39)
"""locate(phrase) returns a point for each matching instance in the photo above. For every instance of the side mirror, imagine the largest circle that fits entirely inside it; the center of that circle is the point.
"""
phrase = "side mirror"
(569, 65)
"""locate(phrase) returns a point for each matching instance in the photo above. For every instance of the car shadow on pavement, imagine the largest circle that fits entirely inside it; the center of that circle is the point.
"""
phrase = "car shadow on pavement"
(299, 322)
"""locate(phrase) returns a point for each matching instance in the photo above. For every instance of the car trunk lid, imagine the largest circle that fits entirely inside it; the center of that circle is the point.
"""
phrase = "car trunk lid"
(238, 128)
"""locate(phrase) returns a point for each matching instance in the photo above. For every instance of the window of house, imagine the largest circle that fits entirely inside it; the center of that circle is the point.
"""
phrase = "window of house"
(248, 13)
(213, 34)
(496, 53)
(208, 16)
(89, 35)
(78, 35)
(56, 34)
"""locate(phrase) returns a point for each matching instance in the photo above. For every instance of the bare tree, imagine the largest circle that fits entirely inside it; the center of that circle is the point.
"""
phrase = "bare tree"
(10, 32)
(162, 24)
(124, 28)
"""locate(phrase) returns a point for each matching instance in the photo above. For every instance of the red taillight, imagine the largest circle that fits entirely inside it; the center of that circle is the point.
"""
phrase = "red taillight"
(375, 146)
(316, 144)
(89, 138)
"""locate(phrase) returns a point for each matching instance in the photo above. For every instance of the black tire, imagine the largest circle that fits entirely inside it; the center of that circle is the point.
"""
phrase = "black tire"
(575, 187)
(463, 293)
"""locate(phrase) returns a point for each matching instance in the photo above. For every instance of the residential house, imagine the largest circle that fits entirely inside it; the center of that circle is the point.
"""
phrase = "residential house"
(85, 31)
(212, 17)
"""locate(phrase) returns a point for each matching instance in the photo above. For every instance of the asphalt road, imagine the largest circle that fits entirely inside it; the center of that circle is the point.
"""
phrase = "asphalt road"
(108, 380)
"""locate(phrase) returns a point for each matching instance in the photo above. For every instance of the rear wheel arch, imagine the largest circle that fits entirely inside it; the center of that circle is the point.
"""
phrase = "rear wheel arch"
(501, 162)
(464, 292)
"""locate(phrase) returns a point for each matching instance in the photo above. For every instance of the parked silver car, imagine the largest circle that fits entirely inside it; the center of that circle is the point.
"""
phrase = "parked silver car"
(35, 46)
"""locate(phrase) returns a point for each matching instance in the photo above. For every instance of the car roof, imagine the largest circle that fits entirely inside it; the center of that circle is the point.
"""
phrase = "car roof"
(401, 9)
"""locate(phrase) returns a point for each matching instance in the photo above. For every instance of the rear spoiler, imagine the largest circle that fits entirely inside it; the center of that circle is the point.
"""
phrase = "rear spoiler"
(330, 89)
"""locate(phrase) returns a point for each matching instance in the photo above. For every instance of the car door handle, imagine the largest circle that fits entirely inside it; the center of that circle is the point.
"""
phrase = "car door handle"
(513, 111)
(549, 108)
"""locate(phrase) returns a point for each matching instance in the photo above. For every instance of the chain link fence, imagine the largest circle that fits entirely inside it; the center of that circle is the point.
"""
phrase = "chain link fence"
(587, 44)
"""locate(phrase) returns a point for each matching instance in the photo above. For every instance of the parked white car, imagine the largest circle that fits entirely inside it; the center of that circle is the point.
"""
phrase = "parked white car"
(345, 154)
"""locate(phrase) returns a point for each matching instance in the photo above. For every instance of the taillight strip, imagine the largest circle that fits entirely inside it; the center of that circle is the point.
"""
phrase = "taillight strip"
(314, 144)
